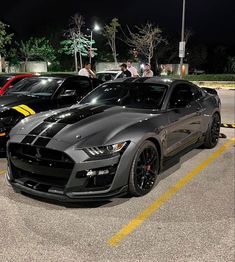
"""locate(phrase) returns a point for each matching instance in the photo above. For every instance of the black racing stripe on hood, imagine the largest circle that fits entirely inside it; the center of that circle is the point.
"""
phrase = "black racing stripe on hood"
(42, 141)
(38, 129)
(46, 132)
(53, 129)
(74, 115)
(28, 139)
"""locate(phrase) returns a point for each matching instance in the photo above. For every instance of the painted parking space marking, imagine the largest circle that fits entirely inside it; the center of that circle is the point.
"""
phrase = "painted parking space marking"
(2, 172)
(228, 125)
(146, 213)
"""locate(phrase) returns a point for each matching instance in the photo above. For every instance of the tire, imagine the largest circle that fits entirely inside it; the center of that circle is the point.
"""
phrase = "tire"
(144, 170)
(212, 135)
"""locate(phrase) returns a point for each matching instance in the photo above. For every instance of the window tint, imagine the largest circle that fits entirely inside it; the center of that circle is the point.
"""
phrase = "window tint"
(106, 76)
(197, 93)
(39, 86)
(136, 95)
(16, 80)
(3, 81)
(181, 92)
(82, 87)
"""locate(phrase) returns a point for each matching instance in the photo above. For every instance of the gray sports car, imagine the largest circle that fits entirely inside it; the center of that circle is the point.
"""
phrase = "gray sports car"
(117, 140)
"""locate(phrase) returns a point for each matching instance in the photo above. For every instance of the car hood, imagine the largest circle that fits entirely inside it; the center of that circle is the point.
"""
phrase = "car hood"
(15, 100)
(84, 124)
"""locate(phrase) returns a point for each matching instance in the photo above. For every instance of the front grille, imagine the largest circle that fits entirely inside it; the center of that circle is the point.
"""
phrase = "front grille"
(41, 165)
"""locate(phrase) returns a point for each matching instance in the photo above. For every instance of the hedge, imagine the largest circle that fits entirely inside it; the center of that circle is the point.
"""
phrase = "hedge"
(211, 77)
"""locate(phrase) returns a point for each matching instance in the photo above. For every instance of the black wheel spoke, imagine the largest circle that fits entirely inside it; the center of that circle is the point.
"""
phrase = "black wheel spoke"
(146, 169)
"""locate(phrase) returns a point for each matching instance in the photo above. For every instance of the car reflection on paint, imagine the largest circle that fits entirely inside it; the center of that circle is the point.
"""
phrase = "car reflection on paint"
(36, 94)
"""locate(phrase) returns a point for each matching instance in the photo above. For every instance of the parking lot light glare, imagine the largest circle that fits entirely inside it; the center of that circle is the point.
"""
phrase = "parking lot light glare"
(97, 27)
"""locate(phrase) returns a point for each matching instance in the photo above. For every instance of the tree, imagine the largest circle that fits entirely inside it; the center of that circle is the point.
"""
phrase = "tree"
(230, 65)
(37, 48)
(12, 57)
(5, 39)
(76, 41)
(109, 33)
(76, 45)
(145, 40)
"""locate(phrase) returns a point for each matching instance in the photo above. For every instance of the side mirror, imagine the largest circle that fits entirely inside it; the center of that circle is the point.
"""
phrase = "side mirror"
(68, 93)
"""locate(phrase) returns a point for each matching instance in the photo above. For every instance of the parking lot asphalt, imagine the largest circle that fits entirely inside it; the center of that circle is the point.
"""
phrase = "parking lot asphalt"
(194, 224)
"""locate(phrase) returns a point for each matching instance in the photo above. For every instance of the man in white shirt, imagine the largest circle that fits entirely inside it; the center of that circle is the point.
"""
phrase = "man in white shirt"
(86, 71)
(132, 69)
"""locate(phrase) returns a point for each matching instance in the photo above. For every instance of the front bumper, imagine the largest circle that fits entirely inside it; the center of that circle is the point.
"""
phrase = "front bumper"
(70, 183)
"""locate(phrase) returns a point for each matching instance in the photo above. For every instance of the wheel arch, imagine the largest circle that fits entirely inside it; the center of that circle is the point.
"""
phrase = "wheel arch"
(156, 142)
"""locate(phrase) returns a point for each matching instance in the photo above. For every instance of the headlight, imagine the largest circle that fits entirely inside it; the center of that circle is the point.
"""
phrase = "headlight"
(106, 150)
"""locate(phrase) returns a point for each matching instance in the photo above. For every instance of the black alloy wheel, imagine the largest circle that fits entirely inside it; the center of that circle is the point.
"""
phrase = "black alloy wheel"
(144, 169)
(213, 132)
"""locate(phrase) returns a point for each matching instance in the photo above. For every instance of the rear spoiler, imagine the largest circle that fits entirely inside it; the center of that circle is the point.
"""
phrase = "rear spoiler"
(210, 90)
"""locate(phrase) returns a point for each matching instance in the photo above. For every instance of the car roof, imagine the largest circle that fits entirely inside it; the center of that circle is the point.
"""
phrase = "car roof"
(109, 72)
(150, 80)
(15, 74)
(58, 75)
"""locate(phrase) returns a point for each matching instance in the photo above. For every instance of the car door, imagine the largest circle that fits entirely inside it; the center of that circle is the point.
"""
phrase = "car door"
(73, 90)
(184, 116)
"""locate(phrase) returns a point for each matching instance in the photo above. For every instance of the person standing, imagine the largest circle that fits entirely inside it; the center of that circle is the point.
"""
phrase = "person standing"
(125, 72)
(132, 69)
(86, 71)
(147, 71)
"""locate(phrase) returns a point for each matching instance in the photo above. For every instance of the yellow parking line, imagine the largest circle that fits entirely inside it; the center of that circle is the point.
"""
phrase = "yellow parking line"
(139, 219)
(2, 172)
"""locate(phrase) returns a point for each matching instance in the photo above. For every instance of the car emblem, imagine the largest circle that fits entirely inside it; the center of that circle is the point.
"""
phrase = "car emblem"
(78, 137)
(38, 154)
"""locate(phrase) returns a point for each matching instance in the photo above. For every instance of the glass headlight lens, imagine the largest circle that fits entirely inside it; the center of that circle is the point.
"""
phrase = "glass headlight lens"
(106, 150)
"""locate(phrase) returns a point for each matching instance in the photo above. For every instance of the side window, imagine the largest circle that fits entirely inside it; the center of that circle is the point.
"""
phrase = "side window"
(181, 96)
(81, 87)
(197, 94)
(16, 80)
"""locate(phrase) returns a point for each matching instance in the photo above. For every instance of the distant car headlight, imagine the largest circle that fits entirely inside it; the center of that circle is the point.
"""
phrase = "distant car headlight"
(106, 150)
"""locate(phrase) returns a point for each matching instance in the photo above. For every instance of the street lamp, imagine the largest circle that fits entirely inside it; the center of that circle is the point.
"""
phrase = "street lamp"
(96, 28)
(182, 43)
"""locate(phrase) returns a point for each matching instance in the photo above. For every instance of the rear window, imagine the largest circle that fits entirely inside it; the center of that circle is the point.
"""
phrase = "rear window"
(3, 80)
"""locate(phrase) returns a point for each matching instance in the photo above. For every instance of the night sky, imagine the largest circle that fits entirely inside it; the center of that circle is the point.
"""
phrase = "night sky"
(212, 21)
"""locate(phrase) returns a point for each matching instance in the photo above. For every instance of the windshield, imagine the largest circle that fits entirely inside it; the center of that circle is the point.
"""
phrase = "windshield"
(3, 81)
(135, 95)
(43, 87)
(106, 76)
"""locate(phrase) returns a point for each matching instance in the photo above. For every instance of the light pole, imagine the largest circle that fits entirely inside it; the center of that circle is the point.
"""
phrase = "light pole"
(182, 43)
(96, 29)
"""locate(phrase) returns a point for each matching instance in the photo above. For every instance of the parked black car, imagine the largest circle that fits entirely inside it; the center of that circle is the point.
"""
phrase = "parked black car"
(41, 93)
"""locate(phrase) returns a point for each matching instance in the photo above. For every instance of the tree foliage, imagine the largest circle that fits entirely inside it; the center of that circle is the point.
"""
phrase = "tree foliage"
(145, 40)
(5, 39)
(36, 48)
(76, 41)
(110, 31)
